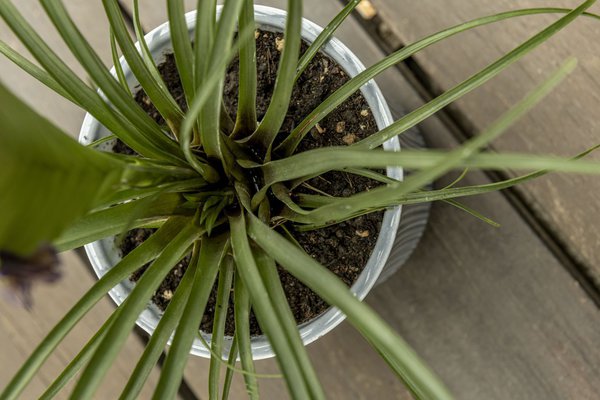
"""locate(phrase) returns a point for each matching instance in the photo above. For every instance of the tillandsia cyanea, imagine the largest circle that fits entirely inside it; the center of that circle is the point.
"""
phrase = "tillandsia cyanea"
(211, 185)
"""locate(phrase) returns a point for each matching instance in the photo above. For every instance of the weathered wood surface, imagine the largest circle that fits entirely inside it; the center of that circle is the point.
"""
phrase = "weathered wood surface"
(21, 331)
(491, 310)
(566, 122)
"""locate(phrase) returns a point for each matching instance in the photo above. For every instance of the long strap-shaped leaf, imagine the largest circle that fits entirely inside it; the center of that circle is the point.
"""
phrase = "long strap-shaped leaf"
(210, 133)
(81, 358)
(143, 254)
(233, 355)
(182, 47)
(242, 334)
(153, 87)
(289, 144)
(324, 36)
(419, 379)
(147, 54)
(319, 161)
(35, 71)
(204, 36)
(114, 52)
(85, 96)
(270, 277)
(212, 253)
(115, 338)
(110, 87)
(246, 112)
(453, 159)
(424, 196)
(277, 110)
(121, 196)
(264, 311)
(224, 288)
(161, 335)
(476, 80)
(117, 219)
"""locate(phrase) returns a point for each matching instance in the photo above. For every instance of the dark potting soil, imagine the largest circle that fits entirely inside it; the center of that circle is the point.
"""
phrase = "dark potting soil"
(343, 248)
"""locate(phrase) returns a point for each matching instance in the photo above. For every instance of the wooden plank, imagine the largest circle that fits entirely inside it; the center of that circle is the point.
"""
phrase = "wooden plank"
(21, 331)
(58, 110)
(565, 123)
(490, 309)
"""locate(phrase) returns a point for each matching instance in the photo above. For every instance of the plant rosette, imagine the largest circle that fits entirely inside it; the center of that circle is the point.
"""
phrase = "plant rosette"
(104, 254)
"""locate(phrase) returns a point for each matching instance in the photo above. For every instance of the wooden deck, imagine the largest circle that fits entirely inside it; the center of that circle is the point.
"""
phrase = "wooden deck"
(498, 313)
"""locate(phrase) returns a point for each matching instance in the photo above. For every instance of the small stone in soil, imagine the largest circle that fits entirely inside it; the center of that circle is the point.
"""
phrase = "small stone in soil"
(279, 43)
(349, 138)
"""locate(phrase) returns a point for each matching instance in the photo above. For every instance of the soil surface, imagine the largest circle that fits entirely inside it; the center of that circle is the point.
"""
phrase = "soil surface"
(343, 248)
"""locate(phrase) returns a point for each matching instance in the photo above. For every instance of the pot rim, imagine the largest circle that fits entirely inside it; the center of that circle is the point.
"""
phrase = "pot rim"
(103, 254)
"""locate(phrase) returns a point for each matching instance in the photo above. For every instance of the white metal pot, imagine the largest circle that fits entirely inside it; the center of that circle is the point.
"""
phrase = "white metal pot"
(103, 254)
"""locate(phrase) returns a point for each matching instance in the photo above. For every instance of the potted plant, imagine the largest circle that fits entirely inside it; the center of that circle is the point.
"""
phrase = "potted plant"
(227, 191)
(104, 254)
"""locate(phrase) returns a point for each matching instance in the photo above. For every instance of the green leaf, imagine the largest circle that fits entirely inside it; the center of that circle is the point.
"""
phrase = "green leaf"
(85, 96)
(324, 36)
(114, 51)
(80, 359)
(210, 133)
(35, 71)
(290, 143)
(242, 334)
(263, 308)
(212, 253)
(47, 176)
(246, 113)
(182, 46)
(141, 255)
(269, 127)
(153, 87)
(319, 161)
(403, 360)
(233, 354)
(110, 87)
(115, 220)
(204, 35)
(220, 318)
(283, 194)
(473, 213)
(475, 81)
(147, 55)
(161, 335)
(135, 193)
(116, 336)
(289, 328)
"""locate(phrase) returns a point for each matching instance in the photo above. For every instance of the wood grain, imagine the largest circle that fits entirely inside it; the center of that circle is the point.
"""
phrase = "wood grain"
(565, 123)
(22, 330)
(491, 310)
